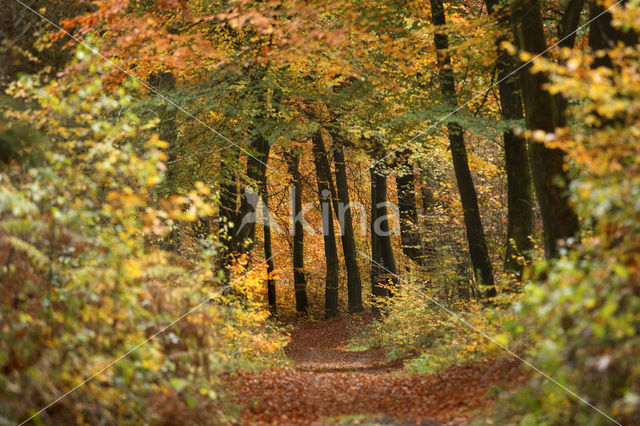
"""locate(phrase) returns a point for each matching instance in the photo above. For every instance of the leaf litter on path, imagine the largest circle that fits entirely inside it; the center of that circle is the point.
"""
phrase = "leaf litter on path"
(330, 384)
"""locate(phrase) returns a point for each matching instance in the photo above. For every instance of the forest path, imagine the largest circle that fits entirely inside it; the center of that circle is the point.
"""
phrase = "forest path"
(330, 384)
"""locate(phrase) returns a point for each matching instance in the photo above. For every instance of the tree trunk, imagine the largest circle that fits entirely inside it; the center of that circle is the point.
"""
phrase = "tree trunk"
(343, 211)
(475, 231)
(382, 230)
(567, 37)
(377, 272)
(603, 36)
(550, 177)
(239, 237)
(520, 202)
(299, 279)
(323, 178)
(268, 252)
(409, 233)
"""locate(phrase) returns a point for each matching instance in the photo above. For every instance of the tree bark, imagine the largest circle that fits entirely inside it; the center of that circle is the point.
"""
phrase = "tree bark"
(382, 230)
(473, 224)
(299, 279)
(377, 272)
(566, 35)
(519, 191)
(603, 36)
(268, 252)
(323, 178)
(548, 165)
(343, 211)
(409, 233)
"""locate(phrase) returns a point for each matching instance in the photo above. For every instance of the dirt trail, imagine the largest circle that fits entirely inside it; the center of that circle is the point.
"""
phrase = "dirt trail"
(330, 384)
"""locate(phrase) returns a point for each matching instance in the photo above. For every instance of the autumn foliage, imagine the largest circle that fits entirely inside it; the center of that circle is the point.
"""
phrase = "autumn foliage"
(155, 156)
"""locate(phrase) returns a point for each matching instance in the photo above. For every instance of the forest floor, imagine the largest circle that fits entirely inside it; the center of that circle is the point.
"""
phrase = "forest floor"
(330, 384)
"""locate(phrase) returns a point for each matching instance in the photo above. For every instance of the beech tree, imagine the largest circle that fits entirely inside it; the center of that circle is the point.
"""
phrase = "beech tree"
(473, 224)
(518, 170)
(343, 211)
(542, 113)
(324, 182)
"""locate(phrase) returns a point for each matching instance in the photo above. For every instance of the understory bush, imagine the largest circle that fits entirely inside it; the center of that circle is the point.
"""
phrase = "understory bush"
(584, 308)
(435, 334)
(87, 294)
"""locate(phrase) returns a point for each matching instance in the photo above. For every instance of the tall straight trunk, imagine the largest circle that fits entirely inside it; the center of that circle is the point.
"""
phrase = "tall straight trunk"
(548, 165)
(602, 37)
(299, 279)
(382, 230)
(566, 35)
(239, 237)
(268, 252)
(473, 224)
(271, 284)
(323, 178)
(377, 272)
(409, 233)
(343, 211)
(519, 194)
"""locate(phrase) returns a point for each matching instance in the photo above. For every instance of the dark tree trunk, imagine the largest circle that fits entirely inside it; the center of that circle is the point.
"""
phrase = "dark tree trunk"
(271, 284)
(268, 252)
(377, 272)
(382, 230)
(299, 279)
(343, 211)
(548, 165)
(409, 232)
(240, 237)
(603, 36)
(520, 202)
(323, 178)
(567, 38)
(475, 231)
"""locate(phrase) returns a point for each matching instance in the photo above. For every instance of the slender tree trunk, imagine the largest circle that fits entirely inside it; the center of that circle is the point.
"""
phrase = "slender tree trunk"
(323, 178)
(382, 229)
(377, 272)
(268, 252)
(475, 231)
(271, 284)
(409, 233)
(299, 279)
(239, 238)
(566, 36)
(603, 37)
(520, 202)
(548, 165)
(343, 211)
